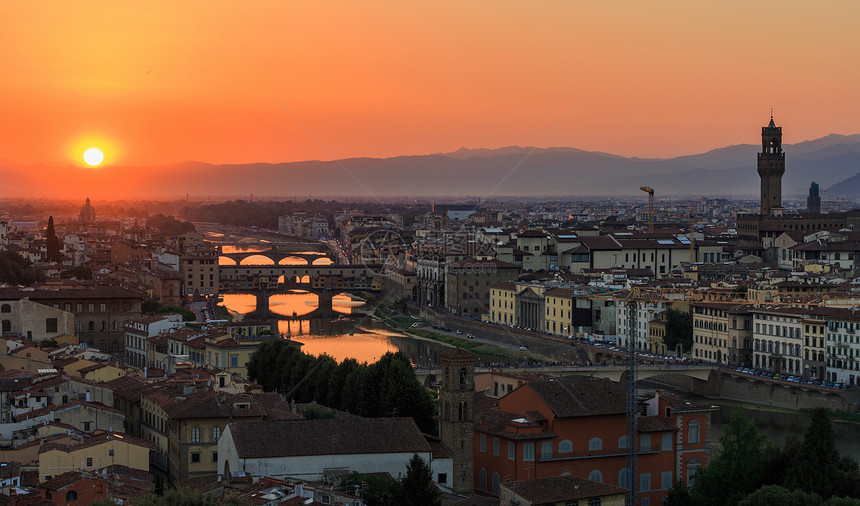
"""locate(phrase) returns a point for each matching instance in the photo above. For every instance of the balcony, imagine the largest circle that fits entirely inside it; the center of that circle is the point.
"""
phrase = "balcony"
(158, 460)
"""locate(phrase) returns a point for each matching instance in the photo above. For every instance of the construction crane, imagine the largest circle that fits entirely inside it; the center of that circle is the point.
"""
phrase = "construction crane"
(632, 307)
(650, 192)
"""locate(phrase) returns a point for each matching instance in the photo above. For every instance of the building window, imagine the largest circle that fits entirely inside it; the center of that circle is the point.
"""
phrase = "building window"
(50, 325)
(512, 450)
(666, 480)
(596, 476)
(528, 451)
(622, 442)
(195, 457)
(693, 431)
(216, 434)
(566, 446)
(214, 456)
(89, 462)
(5, 308)
(546, 450)
(496, 446)
(645, 482)
(667, 441)
(594, 501)
(482, 479)
(443, 478)
(595, 444)
(693, 466)
(195, 435)
(645, 442)
(483, 443)
(110, 452)
(71, 495)
(624, 478)
(496, 483)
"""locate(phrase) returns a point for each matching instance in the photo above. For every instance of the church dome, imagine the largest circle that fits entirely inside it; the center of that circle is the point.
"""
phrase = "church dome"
(88, 214)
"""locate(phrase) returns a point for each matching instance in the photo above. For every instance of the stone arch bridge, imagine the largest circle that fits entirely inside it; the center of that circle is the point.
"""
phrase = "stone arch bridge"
(277, 257)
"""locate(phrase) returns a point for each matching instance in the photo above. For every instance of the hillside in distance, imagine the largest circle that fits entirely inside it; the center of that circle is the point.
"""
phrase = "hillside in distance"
(506, 171)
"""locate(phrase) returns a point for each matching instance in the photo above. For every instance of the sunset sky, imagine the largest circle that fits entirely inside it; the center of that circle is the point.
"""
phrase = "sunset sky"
(229, 82)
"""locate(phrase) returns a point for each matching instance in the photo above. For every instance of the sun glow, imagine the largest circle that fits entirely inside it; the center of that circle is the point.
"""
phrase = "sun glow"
(93, 156)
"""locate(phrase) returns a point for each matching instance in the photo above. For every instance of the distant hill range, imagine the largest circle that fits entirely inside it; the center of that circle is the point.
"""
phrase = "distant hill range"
(832, 161)
(849, 188)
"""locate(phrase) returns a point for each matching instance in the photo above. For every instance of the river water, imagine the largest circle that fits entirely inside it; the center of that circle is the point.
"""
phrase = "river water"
(350, 335)
(776, 425)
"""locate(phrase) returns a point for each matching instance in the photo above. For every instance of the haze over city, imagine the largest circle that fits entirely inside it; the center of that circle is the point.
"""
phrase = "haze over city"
(285, 82)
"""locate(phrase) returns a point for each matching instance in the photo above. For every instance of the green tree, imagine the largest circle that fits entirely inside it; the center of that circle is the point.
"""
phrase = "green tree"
(386, 388)
(418, 486)
(780, 460)
(316, 412)
(842, 501)
(678, 495)
(738, 470)
(771, 495)
(679, 329)
(816, 466)
(52, 244)
(17, 270)
(80, 272)
(150, 305)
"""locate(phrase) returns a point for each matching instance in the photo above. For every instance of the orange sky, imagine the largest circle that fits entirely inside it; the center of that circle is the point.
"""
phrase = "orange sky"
(228, 82)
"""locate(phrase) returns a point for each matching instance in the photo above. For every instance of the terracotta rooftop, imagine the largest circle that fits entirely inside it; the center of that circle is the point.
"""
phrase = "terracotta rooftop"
(327, 436)
(561, 489)
(580, 396)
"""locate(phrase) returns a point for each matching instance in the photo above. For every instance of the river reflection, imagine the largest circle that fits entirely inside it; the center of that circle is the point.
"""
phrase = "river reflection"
(346, 334)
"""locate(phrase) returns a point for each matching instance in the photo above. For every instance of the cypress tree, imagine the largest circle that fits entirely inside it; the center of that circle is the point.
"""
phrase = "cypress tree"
(418, 487)
(816, 464)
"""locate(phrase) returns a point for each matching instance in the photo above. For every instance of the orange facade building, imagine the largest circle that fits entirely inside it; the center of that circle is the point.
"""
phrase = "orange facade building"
(578, 427)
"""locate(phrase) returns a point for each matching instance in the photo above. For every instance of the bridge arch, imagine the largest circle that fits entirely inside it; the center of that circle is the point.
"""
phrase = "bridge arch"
(322, 261)
(257, 260)
(222, 260)
(292, 260)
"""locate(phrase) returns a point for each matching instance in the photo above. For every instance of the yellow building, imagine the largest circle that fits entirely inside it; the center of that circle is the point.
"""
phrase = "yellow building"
(73, 453)
(503, 303)
(101, 372)
(559, 304)
(231, 354)
(657, 334)
(814, 333)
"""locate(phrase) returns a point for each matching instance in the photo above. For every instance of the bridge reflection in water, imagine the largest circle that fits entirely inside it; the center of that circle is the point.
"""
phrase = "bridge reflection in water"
(341, 334)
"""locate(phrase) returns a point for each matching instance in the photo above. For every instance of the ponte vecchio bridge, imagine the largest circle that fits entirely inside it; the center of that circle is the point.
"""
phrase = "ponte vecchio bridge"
(301, 254)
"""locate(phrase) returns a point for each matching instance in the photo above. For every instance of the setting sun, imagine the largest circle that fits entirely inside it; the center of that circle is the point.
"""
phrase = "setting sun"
(93, 156)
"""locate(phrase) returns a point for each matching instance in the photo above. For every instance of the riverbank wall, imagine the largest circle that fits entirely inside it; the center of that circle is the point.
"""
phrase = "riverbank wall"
(722, 385)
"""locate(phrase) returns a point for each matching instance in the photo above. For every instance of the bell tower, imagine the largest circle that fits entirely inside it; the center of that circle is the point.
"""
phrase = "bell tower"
(771, 167)
(456, 425)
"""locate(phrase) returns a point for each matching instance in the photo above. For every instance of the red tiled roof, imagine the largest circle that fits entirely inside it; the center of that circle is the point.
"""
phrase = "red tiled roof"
(561, 489)
(345, 436)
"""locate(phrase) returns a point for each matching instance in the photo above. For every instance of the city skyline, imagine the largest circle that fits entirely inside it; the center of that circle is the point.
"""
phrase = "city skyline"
(292, 82)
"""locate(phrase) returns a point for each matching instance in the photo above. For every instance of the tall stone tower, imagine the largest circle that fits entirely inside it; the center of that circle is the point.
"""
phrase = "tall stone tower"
(771, 167)
(456, 425)
(813, 201)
